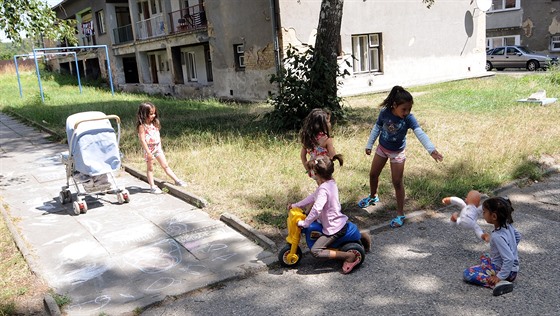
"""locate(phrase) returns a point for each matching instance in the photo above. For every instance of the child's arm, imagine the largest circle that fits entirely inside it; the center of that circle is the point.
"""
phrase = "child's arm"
(329, 145)
(375, 131)
(507, 258)
(303, 156)
(142, 138)
(425, 140)
(320, 201)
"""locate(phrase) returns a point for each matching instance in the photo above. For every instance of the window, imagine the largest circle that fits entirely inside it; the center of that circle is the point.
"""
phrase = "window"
(191, 66)
(239, 53)
(492, 42)
(366, 50)
(100, 16)
(555, 43)
(498, 5)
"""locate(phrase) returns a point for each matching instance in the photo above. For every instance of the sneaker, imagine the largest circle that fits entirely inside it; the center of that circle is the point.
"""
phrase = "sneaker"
(180, 183)
(502, 287)
(156, 190)
(367, 201)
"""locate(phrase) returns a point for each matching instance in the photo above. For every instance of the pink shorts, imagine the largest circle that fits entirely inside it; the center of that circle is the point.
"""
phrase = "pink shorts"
(394, 156)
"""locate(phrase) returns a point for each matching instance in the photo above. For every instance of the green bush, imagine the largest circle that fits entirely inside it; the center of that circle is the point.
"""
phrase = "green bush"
(296, 98)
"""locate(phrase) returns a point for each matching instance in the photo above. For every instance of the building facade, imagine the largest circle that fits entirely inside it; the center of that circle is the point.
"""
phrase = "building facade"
(531, 23)
(229, 49)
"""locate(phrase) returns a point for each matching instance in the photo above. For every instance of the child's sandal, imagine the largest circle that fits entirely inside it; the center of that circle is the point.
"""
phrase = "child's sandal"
(397, 221)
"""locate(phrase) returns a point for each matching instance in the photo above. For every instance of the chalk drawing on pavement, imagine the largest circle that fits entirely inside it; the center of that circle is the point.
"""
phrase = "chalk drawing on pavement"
(158, 257)
(93, 305)
(161, 284)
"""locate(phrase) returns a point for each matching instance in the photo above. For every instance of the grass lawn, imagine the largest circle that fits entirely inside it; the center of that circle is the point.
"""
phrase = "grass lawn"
(228, 156)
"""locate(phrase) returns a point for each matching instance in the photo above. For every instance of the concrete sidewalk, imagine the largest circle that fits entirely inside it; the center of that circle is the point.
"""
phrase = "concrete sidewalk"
(116, 257)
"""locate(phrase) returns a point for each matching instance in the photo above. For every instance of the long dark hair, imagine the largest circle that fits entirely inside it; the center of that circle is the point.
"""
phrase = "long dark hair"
(315, 122)
(398, 95)
(502, 208)
(144, 112)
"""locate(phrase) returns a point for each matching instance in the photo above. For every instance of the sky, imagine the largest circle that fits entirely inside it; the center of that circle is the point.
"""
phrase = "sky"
(51, 4)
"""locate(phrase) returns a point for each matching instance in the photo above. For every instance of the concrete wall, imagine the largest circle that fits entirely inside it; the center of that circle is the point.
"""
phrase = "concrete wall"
(245, 22)
(541, 20)
(535, 22)
(419, 45)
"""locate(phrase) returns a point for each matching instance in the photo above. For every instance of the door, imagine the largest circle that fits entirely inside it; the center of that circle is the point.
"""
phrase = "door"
(153, 68)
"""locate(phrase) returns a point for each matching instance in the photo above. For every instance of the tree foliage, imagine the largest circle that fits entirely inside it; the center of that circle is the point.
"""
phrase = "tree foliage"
(33, 19)
(296, 96)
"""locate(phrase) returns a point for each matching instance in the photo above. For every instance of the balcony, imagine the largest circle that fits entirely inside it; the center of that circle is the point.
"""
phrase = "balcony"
(188, 19)
(123, 34)
(152, 27)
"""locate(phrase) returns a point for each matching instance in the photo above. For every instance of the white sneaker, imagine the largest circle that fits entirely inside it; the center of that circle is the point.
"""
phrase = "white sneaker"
(502, 287)
(180, 183)
(156, 190)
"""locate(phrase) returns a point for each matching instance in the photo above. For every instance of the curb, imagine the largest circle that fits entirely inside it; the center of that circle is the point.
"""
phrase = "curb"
(172, 189)
(249, 232)
(48, 301)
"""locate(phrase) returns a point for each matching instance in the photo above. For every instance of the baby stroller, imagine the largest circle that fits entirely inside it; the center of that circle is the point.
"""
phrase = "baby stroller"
(92, 157)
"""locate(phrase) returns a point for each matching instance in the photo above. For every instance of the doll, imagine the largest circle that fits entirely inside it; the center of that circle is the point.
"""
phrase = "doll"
(471, 209)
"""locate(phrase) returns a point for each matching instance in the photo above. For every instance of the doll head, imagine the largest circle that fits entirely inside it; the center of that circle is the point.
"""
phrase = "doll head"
(473, 198)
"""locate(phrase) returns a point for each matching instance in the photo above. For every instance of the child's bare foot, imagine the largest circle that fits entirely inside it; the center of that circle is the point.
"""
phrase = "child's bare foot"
(454, 217)
(485, 237)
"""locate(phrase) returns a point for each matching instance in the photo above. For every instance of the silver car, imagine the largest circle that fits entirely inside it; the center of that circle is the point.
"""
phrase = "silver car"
(517, 57)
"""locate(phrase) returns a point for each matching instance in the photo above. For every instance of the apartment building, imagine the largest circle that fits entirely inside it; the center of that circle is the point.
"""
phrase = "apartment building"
(230, 48)
(531, 23)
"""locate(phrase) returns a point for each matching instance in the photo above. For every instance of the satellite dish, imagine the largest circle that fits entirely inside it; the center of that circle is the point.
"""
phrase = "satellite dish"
(484, 5)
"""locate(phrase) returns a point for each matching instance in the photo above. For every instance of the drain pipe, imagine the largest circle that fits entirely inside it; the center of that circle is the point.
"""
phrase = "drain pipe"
(275, 39)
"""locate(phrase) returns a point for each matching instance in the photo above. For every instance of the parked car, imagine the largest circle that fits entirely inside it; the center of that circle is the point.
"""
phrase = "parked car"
(517, 57)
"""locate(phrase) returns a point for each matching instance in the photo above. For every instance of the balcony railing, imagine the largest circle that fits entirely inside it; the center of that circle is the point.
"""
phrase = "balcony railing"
(123, 34)
(188, 19)
(151, 27)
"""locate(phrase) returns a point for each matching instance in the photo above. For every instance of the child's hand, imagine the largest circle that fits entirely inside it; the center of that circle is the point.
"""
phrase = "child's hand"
(289, 206)
(437, 156)
(368, 151)
(300, 223)
(493, 280)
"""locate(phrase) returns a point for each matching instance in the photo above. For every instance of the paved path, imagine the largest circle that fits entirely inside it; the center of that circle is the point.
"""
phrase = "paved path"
(116, 257)
(413, 270)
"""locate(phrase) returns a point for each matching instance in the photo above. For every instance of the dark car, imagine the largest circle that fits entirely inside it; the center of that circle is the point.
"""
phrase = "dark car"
(517, 57)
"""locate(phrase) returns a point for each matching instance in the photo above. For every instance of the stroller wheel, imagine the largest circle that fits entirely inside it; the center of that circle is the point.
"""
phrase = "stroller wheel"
(122, 197)
(80, 206)
(76, 208)
(65, 196)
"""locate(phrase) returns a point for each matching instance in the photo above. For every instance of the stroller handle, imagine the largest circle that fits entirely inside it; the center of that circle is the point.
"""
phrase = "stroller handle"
(105, 117)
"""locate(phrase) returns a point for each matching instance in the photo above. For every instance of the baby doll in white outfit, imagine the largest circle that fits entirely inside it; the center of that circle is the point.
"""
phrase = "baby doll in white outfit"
(471, 209)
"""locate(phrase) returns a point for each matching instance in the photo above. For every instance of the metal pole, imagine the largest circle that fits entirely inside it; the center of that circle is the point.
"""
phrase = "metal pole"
(17, 73)
(38, 75)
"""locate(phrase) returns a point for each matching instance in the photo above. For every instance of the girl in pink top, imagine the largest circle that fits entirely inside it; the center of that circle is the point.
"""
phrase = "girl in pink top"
(326, 208)
(148, 125)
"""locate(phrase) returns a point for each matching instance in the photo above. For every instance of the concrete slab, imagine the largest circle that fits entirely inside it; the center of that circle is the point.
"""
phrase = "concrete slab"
(116, 257)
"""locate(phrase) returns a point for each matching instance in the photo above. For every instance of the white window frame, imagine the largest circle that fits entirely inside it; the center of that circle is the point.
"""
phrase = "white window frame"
(239, 56)
(366, 49)
(190, 63)
(501, 5)
(555, 43)
(100, 15)
(498, 41)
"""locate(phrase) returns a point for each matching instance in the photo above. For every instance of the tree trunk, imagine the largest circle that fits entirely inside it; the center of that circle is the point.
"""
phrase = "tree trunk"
(325, 69)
